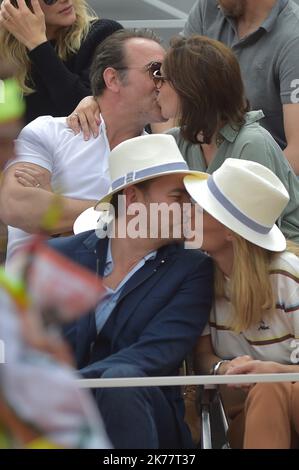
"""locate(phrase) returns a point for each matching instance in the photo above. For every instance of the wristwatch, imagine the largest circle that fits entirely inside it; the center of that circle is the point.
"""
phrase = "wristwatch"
(215, 368)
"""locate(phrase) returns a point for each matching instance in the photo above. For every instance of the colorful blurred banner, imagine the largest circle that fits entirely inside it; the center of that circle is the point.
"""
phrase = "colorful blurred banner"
(54, 284)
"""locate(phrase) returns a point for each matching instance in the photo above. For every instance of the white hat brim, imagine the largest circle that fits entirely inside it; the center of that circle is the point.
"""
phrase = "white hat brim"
(198, 189)
(87, 220)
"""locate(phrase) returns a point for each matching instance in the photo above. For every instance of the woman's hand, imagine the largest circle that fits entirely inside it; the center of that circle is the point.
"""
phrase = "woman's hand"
(33, 177)
(85, 117)
(253, 367)
(226, 366)
(257, 367)
(26, 26)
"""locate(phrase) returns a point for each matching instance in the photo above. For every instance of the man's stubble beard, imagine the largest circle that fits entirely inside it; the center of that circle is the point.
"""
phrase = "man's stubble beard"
(233, 8)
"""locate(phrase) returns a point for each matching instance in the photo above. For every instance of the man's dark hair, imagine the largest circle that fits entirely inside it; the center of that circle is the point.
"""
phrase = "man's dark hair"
(111, 53)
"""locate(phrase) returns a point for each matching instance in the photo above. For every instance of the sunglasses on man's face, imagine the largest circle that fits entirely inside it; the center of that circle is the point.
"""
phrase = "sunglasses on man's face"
(159, 79)
(151, 68)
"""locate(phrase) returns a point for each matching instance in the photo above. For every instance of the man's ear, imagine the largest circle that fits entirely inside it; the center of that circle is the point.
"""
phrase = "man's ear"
(131, 195)
(111, 79)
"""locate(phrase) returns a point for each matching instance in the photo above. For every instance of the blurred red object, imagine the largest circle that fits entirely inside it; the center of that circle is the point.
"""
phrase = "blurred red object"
(56, 285)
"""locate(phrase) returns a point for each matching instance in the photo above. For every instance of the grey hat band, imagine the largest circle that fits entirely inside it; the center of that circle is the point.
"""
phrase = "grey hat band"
(234, 211)
(147, 172)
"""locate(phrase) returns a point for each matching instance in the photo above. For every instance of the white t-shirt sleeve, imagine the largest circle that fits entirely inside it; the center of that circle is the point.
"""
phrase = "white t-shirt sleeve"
(36, 143)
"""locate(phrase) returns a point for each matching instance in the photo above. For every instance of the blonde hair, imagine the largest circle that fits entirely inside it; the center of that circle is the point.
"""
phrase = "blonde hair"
(251, 295)
(68, 41)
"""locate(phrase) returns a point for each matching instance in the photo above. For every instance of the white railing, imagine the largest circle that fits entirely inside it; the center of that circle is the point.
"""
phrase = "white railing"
(187, 380)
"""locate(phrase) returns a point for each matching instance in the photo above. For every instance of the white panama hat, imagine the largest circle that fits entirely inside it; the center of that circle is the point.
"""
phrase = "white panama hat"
(133, 161)
(143, 158)
(246, 197)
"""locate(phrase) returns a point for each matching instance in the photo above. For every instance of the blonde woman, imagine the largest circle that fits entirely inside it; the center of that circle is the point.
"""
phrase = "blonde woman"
(51, 43)
(254, 322)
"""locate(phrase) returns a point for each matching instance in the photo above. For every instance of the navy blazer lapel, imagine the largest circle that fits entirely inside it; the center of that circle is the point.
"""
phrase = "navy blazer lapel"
(85, 336)
(165, 257)
(97, 249)
(150, 267)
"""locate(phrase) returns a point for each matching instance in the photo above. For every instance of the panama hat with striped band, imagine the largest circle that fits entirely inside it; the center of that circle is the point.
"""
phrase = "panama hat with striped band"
(133, 161)
(246, 197)
(143, 158)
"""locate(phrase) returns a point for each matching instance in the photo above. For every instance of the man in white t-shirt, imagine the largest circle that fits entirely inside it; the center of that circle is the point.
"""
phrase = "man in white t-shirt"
(51, 159)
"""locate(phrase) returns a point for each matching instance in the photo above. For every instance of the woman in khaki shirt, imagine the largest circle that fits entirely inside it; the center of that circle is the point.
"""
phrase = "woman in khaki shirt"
(200, 85)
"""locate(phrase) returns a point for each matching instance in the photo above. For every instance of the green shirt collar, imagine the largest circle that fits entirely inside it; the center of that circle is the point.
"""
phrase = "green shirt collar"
(230, 133)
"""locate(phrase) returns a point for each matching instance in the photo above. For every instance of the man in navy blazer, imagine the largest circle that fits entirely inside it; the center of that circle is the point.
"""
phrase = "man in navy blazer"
(158, 299)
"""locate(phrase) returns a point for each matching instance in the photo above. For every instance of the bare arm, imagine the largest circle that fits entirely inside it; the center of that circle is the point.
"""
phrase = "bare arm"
(24, 206)
(291, 127)
(204, 355)
(205, 358)
(86, 118)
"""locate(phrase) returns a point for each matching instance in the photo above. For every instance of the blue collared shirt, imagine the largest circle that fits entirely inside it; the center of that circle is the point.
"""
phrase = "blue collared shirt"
(108, 303)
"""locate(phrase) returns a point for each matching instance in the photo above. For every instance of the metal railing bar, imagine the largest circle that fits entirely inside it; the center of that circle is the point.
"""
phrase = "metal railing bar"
(188, 380)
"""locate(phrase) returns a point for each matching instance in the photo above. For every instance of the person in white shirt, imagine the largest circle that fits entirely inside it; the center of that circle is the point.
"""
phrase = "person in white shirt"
(254, 321)
(51, 159)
